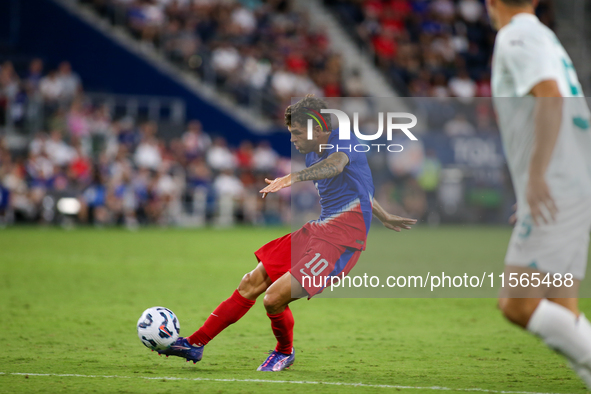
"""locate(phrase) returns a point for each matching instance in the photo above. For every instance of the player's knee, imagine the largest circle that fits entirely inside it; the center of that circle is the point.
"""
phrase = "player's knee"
(273, 303)
(246, 280)
(247, 287)
(517, 310)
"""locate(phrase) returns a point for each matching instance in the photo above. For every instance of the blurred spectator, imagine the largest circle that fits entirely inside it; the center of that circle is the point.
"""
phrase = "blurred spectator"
(9, 81)
(228, 185)
(180, 42)
(264, 158)
(146, 18)
(284, 83)
(57, 120)
(127, 134)
(100, 121)
(462, 85)
(256, 72)
(123, 202)
(471, 10)
(409, 162)
(244, 18)
(428, 180)
(219, 157)
(167, 191)
(230, 193)
(94, 200)
(195, 141)
(354, 85)
(414, 199)
(459, 126)
(34, 75)
(37, 144)
(385, 45)
(198, 174)
(440, 88)
(226, 59)
(78, 124)
(244, 155)
(51, 88)
(80, 167)
(60, 153)
(70, 82)
(147, 154)
(20, 202)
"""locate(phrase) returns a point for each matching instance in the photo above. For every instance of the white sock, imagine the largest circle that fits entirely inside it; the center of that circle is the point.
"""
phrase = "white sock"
(562, 331)
(584, 325)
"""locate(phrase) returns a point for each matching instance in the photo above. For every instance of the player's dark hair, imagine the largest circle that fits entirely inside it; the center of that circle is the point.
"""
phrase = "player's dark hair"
(517, 3)
(308, 108)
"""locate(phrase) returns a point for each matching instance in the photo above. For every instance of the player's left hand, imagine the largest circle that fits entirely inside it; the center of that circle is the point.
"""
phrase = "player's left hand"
(276, 185)
(541, 204)
(513, 217)
(398, 223)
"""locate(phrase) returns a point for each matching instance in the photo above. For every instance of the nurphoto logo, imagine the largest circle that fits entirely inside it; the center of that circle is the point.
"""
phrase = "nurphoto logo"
(345, 130)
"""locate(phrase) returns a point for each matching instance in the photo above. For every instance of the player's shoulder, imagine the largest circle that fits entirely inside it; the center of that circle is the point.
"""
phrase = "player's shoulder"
(523, 31)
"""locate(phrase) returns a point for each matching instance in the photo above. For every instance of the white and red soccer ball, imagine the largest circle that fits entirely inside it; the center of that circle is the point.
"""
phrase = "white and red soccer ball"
(158, 328)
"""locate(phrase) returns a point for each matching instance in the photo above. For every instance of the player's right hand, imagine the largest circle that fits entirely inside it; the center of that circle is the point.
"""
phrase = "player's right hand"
(276, 185)
(541, 204)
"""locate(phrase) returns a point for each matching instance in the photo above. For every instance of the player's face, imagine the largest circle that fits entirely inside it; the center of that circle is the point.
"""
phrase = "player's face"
(299, 137)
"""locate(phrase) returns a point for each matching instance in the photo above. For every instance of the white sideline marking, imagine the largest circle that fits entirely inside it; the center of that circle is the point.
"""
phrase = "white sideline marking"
(385, 386)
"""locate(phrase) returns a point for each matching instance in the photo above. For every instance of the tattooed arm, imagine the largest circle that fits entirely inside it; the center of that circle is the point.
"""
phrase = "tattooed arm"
(330, 167)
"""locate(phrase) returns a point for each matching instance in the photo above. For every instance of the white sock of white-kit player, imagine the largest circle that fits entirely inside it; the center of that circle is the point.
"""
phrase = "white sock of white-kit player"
(563, 332)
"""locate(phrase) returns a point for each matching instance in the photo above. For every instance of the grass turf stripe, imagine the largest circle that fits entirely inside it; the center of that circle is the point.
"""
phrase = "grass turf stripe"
(386, 386)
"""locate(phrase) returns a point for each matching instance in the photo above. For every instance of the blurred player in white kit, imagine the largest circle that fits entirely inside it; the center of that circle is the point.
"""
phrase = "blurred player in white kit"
(544, 122)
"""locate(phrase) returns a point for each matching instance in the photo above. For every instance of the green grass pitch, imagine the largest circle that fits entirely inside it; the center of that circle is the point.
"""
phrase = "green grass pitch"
(70, 301)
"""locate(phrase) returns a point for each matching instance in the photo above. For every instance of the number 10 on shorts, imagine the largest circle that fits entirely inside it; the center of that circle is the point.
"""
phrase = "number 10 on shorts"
(318, 268)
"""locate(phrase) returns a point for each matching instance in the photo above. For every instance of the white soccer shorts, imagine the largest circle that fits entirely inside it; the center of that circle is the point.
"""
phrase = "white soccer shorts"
(558, 247)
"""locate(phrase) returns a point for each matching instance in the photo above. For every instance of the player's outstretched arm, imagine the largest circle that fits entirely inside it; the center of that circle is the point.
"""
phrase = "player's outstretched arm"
(330, 167)
(392, 222)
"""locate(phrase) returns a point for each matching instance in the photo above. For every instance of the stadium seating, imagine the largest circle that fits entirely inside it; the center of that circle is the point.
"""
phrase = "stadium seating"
(427, 48)
(259, 53)
(120, 169)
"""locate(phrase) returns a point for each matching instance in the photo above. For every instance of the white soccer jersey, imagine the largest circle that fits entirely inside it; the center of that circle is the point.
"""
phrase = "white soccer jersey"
(527, 53)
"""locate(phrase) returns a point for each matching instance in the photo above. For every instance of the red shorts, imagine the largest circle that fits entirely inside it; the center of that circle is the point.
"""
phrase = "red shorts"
(308, 256)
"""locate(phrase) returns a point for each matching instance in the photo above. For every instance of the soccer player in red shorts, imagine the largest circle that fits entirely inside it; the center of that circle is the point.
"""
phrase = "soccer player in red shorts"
(329, 246)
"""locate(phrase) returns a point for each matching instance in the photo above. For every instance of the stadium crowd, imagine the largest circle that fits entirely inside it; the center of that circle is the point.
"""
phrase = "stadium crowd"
(428, 48)
(263, 53)
(120, 171)
(260, 52)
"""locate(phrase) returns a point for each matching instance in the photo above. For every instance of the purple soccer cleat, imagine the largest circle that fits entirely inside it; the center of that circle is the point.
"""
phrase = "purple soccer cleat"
(182, 348)
(277, 361)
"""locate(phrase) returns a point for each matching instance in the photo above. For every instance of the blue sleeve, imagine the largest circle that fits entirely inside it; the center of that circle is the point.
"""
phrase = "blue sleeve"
(350, 154)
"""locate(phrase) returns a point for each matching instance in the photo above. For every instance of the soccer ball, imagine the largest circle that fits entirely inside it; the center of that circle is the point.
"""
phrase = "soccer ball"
(158, 328)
